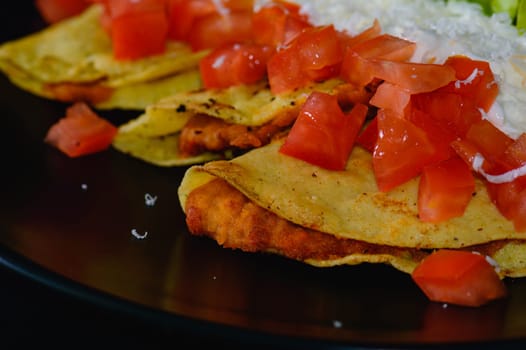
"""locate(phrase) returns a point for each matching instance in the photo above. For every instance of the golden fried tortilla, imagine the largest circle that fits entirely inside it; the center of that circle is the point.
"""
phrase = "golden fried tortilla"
(252, 110)
(348, 204)
(73, 60)
(215, 208)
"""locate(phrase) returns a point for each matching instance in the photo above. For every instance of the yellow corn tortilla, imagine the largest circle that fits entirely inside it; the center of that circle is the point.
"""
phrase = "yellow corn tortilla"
(79, 51)
(153, 136)
(348, 205)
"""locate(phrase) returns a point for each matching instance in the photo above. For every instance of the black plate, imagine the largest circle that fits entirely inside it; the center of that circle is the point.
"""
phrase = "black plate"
(67, 223)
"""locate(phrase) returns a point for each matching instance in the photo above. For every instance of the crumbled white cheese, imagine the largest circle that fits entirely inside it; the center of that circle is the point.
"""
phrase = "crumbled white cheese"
(337, 324)
(150, 200)
(468, 80)
(138, 235)
(493, 263)
(509, 176)
(490, 261)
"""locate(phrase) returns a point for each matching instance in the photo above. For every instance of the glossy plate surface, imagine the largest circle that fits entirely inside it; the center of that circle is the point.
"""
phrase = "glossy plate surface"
(68, 223)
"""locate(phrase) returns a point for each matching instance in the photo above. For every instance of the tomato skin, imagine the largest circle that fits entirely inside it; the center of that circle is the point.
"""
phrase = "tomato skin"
(440, 136)
(138, 28)
(515, 154)
(489, 140)
(369, 33)
(313, 55)
(474, 81)
(369, 135)
(386, 47)
(234, 64)
(401, 152)
(445, 190)
(277, 24)
(415, 77)
(510, 200)
(118, 8)
(214, 30)
(139, 35)
(81, 132)
(391, 96)
(281, 82)
(53, 11)
(322, 134)
(448, 109)
(320, 47)
(183, 13)
(458, 277)
(467, 151)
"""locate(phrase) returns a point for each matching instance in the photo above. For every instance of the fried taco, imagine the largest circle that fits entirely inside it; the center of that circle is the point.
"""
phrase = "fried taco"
(197, 126)
(267, 201)
(440, 167)
(73, 60)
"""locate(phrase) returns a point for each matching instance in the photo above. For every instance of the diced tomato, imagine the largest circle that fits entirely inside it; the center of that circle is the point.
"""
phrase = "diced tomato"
(322, 134)
(291, 8)
(441, 137)
(277, 23)
(506, 195)
(489, 140)
(319, 47)
(391, 96)
(81, 132)
(439, 105)
(385, 47)
(373, 31)
(118, 8)
(474, 81)
(217, 29)
(509, 197)
(415, 77)
(284, 73)
(402, 150)
(451, 110)
(467, 151)
(234, 64)
(445, 190)
(369, 135)
(53, 11)
(458, 277)
(515, 154)
(238, 5)
(138, 28)
(313, 55)
(183, 13)
(138, 36)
